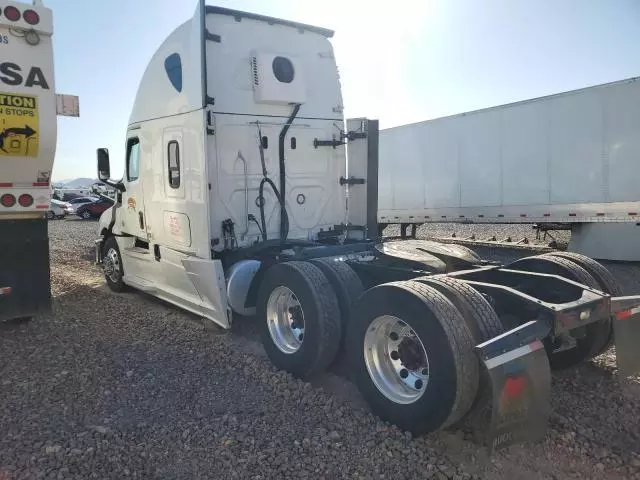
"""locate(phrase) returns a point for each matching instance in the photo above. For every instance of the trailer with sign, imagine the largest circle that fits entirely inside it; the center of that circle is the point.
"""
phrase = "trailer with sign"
(28, 113)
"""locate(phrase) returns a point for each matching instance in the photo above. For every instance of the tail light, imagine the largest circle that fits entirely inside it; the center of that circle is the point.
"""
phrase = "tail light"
(31, 17)
(12, 13)
(8, 200)
(25, 200)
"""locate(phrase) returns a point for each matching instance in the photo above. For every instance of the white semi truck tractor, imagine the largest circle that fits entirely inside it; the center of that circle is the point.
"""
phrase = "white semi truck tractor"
(28, 113)
(236, 201)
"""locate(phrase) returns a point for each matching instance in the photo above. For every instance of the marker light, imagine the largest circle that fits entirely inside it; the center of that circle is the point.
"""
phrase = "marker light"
(8, 200)
(31, 17)
(12, 13)
(25, 200)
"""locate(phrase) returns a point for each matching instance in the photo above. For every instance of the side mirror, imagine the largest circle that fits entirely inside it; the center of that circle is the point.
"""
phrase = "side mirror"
(104, 168)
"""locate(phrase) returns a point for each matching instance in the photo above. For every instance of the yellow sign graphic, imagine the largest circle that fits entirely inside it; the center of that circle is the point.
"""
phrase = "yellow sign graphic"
(19, 136)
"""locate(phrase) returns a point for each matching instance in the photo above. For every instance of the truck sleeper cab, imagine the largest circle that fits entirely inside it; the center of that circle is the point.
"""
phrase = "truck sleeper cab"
(234, 202)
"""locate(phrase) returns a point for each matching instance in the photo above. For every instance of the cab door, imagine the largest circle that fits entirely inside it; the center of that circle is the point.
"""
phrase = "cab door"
(134, 221)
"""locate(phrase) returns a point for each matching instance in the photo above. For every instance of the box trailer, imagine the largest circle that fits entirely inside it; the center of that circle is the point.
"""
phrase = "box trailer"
(568, 159)
(233, 203)
(28, 114)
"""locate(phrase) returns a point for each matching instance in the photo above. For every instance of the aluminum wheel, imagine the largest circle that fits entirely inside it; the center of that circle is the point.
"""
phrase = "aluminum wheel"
(396, 359)
(285, 320)
(111, 265)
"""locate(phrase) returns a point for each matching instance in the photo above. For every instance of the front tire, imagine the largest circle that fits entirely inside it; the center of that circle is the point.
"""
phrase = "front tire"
(112, 265)
(301, 326)
(51, 215)
(411, 356)
(86, 215)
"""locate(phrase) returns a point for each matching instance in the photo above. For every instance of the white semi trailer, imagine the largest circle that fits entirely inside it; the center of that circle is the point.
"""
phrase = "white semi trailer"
(233, 204)
(568, 159)
(28, 133)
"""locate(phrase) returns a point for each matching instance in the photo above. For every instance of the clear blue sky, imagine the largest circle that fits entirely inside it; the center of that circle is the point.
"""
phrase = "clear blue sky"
(424, 59)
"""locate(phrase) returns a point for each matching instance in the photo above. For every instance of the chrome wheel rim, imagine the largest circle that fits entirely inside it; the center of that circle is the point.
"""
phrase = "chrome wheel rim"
(86, 214)
(285, 320)
(396, 360)
(111, 265)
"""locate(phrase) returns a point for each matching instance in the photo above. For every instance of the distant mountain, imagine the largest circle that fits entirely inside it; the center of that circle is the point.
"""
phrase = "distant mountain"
(75, 183)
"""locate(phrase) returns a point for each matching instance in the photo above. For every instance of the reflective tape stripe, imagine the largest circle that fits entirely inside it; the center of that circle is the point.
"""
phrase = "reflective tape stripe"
(624, 314)
(42, 206)
(513, 354)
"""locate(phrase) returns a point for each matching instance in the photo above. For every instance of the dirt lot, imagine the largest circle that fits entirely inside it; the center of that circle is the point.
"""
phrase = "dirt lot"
(116, 386)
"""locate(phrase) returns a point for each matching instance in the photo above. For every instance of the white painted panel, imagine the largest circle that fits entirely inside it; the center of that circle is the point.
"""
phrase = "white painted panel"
(440, 165)
(406, 169)
(177, 228)
(480, 175)
(386, 153)
(525, 176)
(622, 117)
(576, 148)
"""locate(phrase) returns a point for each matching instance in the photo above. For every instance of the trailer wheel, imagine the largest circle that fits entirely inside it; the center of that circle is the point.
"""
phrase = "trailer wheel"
(482, 320)
(606, 281)
(345, 282)
(301, 327)
(112, 265)
(596, 334)
(411, 356)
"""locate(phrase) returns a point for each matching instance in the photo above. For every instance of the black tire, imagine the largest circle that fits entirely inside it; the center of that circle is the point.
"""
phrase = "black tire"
(480, 316)
(86, 214)
(345, 282)
(484, 324)
(114, 281)
(607, 283)
(322, 324)
(448, 342)
(597, 333)
(51, 215)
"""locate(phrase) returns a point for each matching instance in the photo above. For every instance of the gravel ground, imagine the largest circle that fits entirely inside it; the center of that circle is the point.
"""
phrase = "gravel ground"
(116, 386)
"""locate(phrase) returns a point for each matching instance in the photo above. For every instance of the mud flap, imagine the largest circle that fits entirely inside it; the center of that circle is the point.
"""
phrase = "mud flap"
(626, 331)
(518, 370)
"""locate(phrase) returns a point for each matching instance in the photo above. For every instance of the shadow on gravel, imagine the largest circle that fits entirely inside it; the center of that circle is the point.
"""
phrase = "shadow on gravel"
(8, 325)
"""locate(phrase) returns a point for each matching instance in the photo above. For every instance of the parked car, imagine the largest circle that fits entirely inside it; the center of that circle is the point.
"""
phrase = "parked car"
(93, 209)
(73, 204)
(57, 209)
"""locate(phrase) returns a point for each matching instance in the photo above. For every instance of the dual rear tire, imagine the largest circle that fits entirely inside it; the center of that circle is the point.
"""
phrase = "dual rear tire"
(409, 345)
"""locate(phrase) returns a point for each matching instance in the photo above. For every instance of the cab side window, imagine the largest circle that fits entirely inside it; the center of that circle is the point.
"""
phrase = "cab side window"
(173, 155)
(133, 159)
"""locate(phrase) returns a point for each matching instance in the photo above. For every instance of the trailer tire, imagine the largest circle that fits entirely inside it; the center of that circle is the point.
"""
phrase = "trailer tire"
(302, 287)
(606, 281)
(112, 265)
(345, 282)
(484, 323)
(446, 341)
(597, 333)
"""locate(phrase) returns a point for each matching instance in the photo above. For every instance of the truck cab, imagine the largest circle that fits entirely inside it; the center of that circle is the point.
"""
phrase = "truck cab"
(222, 152)
(236, 201)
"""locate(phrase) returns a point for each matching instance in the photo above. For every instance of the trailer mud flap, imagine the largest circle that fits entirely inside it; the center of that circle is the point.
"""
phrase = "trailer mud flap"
(519, 374)
(626, 331)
